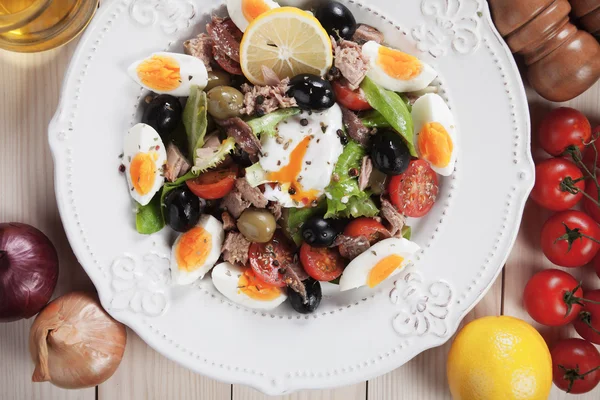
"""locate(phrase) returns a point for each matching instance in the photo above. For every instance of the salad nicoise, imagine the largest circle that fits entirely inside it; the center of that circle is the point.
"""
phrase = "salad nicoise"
(287, 148)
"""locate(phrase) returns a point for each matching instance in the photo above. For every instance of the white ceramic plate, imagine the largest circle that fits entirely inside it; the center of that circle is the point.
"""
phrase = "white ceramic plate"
(466, 238)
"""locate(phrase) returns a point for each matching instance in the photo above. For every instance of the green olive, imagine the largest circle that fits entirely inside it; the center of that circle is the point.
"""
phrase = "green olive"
(377, 181)
(225, 102)
(257, 225)
(217, 78)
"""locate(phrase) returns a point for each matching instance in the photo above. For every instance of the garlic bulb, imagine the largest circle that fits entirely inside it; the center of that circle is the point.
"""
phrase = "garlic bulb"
(74, 343)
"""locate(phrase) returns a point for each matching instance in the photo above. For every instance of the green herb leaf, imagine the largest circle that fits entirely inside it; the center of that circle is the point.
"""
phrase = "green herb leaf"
(374, 119)
(406, 232)
(195, 119)
(267, 123)
(344, 198)
(294, 218)
(393, 109)
(149, 218)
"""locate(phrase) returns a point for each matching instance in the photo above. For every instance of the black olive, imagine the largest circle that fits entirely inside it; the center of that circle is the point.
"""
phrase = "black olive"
(319, 232)
(241, 158)
(312, 92)
(183, 209)
(390, 154)
(336, 19)
(163, 114)
(313, 297)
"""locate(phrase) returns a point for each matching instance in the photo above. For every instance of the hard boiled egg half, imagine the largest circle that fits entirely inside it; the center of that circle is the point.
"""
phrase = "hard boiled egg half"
(395, 70)
(196, 251)
(240, 285)
(301, 157)
(435, 133)
(243, 12)
(144, 157)
(170, 73)
(382, 260)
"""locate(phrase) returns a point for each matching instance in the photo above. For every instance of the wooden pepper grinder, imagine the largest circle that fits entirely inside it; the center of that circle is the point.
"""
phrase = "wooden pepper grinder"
(588, 14)
(562, 61)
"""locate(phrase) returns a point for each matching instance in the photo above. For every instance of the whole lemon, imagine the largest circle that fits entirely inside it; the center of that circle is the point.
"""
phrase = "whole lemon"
(499, 358)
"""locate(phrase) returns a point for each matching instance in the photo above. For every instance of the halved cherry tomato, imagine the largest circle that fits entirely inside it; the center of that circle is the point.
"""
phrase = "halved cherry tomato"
(351, 99)
(367, 227)
(587, 323)
(213, 185)
(559, 184)
(269, 260)
(414, 191)
(321, 263)
(570, 239)
(575, 365)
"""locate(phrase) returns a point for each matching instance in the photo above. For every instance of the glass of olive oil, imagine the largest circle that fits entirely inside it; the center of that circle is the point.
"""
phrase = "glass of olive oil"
(37, 25)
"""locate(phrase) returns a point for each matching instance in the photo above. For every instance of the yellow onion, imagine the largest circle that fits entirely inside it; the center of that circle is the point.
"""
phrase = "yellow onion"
(74, 343)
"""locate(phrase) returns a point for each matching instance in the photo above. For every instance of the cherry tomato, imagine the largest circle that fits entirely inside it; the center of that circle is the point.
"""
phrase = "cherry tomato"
(597, 264)
(588, 205)
(575, 365)
(587, 323)
(551, 297)
(213, 185)
(321, 263)
(414, 191)
(351, 99)
(562, 128)
(268, 260)
(552, 179)
(569, 239)
(367, 227)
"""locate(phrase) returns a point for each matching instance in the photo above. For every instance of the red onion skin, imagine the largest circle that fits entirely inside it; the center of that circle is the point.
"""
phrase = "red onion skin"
(28, 271)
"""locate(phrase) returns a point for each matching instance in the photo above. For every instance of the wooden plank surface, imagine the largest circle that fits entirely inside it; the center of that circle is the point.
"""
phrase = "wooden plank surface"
(29, 88)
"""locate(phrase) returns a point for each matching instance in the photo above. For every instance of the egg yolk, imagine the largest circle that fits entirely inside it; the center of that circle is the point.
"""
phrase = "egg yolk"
(253, 8)
(193, 249)
(256, 289)
(435, 144)
(383, 269)
(160, 73)
(289, 174)
(397, 64)
(143, 171)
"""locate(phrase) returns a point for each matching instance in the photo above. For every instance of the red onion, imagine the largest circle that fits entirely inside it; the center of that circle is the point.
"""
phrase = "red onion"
(28, 271)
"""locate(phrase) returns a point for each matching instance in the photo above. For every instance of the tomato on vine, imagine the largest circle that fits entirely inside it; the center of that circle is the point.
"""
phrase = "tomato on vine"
(559, 184)
(564, 129)
(587, 323)
(570, 239)
(575, 366)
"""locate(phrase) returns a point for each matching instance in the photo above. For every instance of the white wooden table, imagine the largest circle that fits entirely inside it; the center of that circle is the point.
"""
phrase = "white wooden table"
(29, 86)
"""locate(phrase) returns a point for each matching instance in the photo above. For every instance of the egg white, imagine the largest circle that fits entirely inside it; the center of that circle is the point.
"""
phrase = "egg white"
(236, 13)
(432, 108)
(380, 77)
(357, 272)
(142, 138)
(321, 155)
(215, 228)
(225, 277)
(192, 71)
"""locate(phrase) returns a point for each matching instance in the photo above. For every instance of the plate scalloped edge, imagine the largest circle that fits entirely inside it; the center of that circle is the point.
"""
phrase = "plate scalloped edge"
(457, 34)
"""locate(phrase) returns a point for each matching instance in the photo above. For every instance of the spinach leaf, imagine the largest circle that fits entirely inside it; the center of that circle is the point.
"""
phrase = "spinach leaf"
(149, 218)
(393, 109)
(195, 120)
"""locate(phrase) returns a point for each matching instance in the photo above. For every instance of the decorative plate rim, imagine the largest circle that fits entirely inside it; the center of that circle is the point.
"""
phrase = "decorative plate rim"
(58, 131)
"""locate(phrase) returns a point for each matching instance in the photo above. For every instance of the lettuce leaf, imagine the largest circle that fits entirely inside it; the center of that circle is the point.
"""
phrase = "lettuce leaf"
(266, 124)
(344, 198)
(149, 218)
(195, 119)
(294, 218)
(207, 158)
(393, 109)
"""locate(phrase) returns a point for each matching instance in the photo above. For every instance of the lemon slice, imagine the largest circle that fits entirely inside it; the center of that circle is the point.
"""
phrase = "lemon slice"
(287, 40)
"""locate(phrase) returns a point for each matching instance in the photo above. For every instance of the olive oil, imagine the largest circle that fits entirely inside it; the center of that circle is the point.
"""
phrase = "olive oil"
(38, 25)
